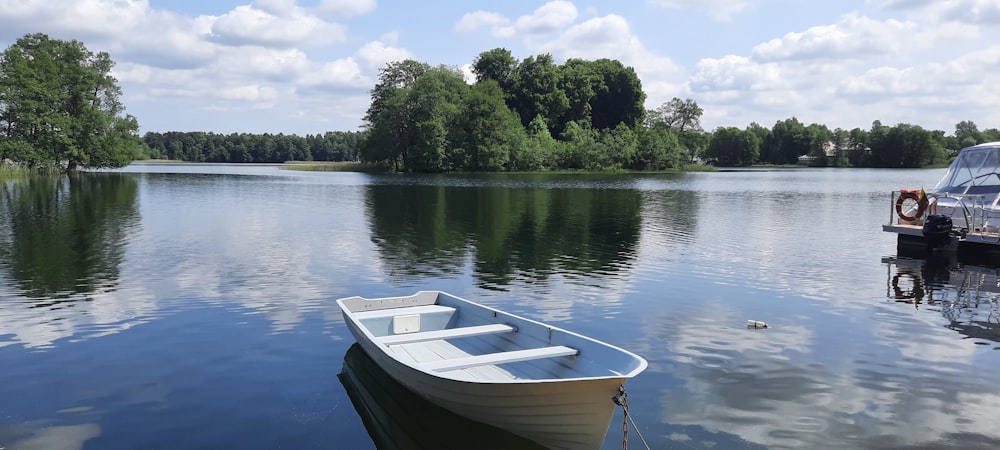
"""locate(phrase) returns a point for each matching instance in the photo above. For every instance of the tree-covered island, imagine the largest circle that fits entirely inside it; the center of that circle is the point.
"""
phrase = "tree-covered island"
(60, 110)
(535, 114)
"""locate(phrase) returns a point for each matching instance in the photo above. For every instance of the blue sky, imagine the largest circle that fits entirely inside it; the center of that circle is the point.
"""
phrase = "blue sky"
(303, 67)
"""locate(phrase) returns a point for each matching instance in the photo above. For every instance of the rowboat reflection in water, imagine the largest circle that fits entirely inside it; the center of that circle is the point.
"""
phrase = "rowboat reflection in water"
(398, 419)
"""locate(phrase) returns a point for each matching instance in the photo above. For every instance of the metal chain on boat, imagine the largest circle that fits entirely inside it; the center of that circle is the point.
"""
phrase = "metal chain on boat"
(621, 399)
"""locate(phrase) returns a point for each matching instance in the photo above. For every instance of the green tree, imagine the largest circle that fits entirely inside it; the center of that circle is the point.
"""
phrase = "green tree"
(486, 135)
(762, 134)
(684, 117)
(579, 82)
(657, 149)
(841, 140)
(789, 140)
(542, 151)
(967, 134)
(621, 146)
(434, 101)
(389, 119)
(731, 146)
(497, 65)
(904, 145)
(536, 92)
(60, 107)
(858, 152)
(820, 138)
(618, 98)
(583, 151)
(991, 135)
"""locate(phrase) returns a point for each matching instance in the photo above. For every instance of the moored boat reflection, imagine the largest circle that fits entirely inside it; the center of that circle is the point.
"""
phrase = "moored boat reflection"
(966, 295)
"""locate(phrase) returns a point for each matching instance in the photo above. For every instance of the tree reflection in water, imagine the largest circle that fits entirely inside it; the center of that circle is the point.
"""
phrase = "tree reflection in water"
(510, 233)
(64, 237)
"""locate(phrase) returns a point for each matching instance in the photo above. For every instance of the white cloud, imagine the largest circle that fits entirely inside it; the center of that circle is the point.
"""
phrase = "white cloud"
(736, 90)
(479, 19)
(602, 37)
(249, 25)
(906, 4)
(734, 73)
(883, 81)
(852, 37)
(946, 92)
(377, 53)
(723, 10)
(86, 18)
(347, 8)
(276, 7)
(167, 41)
(249, 59)
(549, 18)
(123, 28)
(250, 63)
(336, 74)
(611, 37)
(243, 74)
(974, 67)
(985, 12)
(467, 73)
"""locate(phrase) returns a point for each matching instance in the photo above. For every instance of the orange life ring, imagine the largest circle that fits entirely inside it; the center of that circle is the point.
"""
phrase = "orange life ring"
(910, 195)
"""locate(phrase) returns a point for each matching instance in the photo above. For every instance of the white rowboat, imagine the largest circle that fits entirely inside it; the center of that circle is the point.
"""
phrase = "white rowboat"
(535, 380)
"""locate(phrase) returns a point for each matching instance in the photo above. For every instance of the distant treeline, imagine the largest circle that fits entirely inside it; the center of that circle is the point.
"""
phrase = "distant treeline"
(258, 148)
(534, 114)
(899, 146)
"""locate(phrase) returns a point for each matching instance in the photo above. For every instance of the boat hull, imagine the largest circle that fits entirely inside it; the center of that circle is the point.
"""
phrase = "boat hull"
(557, 414)
(571, 412)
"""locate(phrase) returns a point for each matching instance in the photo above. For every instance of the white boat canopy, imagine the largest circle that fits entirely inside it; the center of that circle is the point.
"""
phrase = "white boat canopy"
(975, 171)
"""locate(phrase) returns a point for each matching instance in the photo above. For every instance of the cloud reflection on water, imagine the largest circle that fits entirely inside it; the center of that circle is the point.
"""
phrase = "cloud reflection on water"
(690, 258)
(786, 387)
(57, 437)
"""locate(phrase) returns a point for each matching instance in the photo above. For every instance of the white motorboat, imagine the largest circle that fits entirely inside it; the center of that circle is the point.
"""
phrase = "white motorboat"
(962, 212)
(541, 382)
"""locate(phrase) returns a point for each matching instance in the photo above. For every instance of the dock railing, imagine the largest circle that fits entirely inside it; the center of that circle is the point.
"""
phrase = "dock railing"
(969, 211)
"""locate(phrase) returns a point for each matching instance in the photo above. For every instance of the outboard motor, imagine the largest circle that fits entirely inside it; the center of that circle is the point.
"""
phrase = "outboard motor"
(937, 230)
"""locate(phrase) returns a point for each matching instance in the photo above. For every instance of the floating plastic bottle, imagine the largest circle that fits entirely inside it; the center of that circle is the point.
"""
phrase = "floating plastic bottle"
(756, 324)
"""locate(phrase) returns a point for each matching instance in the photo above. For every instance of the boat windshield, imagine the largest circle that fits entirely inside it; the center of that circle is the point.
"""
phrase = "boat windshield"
(976, 170)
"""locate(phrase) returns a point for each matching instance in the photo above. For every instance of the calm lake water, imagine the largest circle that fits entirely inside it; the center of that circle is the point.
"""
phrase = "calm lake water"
(192, 306)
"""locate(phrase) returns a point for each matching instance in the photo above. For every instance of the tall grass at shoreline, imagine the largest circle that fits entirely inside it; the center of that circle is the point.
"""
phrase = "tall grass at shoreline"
(16, 171)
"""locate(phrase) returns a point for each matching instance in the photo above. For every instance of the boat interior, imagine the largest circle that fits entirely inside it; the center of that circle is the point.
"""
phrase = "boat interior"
(453, 338)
